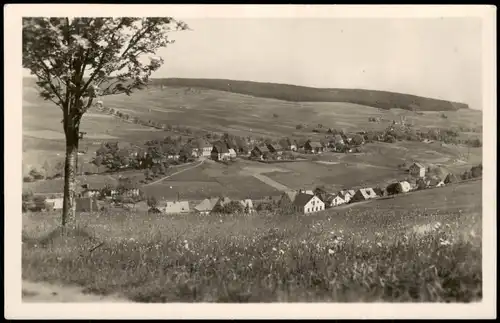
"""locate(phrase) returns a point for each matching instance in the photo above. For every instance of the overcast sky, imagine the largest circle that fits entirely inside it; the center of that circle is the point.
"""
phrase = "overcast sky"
(435, 57)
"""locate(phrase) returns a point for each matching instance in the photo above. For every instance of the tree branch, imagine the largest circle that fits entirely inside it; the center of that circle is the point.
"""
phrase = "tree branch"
(49, 79)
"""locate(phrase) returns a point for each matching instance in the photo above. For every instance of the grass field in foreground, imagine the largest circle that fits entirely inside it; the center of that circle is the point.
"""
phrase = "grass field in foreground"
(423, 246)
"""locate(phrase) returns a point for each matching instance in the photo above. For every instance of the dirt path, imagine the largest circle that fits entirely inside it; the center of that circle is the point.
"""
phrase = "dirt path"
(168, 176)
(47, 292)
(270, 182)
(258, 173)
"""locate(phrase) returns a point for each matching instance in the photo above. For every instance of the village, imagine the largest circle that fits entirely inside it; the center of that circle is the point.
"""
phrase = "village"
(299, 201)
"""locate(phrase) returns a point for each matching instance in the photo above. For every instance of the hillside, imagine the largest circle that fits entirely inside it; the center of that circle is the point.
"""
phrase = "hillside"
(377, 99)
(293, 93)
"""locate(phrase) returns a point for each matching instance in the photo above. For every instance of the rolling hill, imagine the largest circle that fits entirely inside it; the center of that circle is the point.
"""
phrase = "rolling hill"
(293, 93)
(377, 99)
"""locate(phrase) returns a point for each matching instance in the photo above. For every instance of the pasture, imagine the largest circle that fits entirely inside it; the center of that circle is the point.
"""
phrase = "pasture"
(240, 114)
(247, 115)
(418, 247)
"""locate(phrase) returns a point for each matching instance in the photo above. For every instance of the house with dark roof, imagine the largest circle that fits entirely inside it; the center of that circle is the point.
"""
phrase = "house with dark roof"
(206, 206)
(275, 148)
(314, 147)
(364, 194)
(260, 151)
(287, 198)
(220, 204)
(201, 147)
(220, 151)
(306, 203)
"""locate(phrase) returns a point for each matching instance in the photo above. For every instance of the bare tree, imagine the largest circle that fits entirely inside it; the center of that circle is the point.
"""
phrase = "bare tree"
(77, 60)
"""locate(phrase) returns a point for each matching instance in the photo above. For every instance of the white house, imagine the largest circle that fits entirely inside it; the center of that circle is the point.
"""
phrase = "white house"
(336, 200)
(417, 169)
(175, 207)
(306, 203)
(202, 148)
(219, 151)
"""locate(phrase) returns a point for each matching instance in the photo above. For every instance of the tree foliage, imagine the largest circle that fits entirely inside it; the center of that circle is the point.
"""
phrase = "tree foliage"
(77, 60)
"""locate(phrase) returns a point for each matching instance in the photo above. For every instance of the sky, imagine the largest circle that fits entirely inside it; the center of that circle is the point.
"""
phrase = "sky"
(433, 57)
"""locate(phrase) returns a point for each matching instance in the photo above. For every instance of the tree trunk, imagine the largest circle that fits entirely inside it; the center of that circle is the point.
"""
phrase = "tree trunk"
(69, 206)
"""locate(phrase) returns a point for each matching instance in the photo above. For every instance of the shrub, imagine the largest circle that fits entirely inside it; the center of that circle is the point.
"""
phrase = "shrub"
(476, 171)
(36, 175)
(38, 203)
(28, 179)
(390, 139)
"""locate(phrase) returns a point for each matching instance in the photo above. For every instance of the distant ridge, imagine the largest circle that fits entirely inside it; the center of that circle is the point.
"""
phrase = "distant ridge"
(294, 93)
(377, 99)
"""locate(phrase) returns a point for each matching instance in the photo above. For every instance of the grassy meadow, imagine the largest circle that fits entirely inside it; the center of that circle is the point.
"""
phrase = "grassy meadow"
(423, 246)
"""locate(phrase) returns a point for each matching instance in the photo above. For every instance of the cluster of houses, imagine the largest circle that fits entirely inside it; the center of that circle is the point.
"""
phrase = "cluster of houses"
(301, 201)
(221, 150)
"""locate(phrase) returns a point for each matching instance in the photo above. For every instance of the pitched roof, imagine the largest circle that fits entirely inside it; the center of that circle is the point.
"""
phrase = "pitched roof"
(201, 142)
(331, 198)
(291, 195)
(262, 149)
(343, 193)
(276, 147)
(302, 199)
(221, 147)
(206, 205)
(176, 207)
(418, 165)
(367, 192)
(315, 144)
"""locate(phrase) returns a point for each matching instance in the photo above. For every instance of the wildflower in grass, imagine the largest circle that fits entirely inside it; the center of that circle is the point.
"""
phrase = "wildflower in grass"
(281, 251)
(331, 252)
(274, 249)
(379, 244)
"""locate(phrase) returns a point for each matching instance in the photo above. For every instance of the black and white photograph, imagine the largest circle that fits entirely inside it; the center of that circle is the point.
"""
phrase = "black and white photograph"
(206, 154)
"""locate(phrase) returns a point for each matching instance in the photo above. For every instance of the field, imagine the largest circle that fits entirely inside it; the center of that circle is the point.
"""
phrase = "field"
(236, 113)
(242, 114)
(422, 246)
